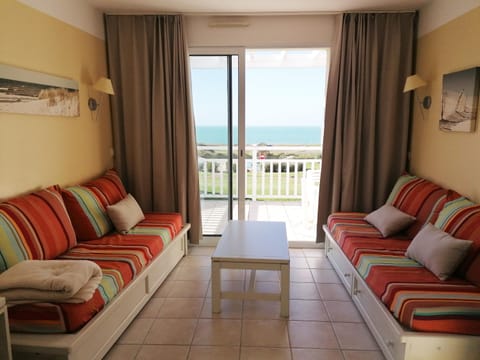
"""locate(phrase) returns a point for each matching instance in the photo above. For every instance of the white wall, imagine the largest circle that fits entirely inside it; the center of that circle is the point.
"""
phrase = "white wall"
(263, 31)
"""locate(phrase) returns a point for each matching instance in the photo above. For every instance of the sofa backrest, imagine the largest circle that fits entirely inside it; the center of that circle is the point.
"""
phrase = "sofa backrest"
(418, 197)
(34, 227)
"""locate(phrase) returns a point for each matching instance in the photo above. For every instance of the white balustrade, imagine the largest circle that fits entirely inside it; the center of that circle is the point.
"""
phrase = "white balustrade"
(264, 174)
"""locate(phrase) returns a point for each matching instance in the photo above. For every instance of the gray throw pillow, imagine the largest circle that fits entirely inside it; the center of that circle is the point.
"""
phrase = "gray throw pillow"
(125, 214)
(437, 251)
(389, 220)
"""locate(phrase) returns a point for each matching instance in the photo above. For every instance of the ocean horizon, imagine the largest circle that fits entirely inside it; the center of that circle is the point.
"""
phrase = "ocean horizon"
(270, 135)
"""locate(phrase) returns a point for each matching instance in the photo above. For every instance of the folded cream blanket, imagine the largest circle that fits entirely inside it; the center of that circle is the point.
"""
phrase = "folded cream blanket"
(71, 281)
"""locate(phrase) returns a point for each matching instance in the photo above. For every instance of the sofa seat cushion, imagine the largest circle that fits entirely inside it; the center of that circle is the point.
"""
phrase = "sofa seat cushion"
(34, 227)
(418, 299)
(121, 258)
(67, 318)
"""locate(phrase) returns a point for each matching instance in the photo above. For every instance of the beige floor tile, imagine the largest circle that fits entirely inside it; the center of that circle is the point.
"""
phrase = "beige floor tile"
(171, 332)
(227, 285)
(305, 291)
(214, 353)
(312, 334)
(230, 309)
(170, 352)
(196, 260)
(298, 263)
(301, 275)
(164, 289)
(122, 352)
(136, 332)
(264, 275)
(272, 287)
(319, 263)
(232, 274)
(362, 355)
(314, 252)
(150, 310)
(333, 292)
(343, 311)
(316, 354)
(188, 308)
(258, 353)
(201, 250)
(224, 332)
(325, 276)
(192, 273)
(265, 333)
(296, 252)
(313, 310)
(353, 336)
(261, 309)
(188, 289)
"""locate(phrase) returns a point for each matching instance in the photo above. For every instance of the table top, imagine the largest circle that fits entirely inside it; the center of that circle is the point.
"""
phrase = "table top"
(253, 241)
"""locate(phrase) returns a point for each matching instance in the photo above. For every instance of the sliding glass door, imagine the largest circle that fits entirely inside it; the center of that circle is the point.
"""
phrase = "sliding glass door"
(215, 89)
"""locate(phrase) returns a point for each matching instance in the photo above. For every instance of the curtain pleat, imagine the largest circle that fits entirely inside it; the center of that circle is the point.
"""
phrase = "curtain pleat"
(365, 145)
(152, 121)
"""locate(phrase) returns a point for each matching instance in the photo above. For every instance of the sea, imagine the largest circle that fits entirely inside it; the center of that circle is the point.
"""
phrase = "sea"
(269, 135)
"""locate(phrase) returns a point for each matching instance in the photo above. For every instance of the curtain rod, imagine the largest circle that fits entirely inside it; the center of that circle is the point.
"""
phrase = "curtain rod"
(260, 13)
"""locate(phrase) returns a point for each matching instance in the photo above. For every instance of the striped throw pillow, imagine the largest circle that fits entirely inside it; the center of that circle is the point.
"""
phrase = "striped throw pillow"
(34, 226)
(87, 210)
(110, 185)
(461, 219)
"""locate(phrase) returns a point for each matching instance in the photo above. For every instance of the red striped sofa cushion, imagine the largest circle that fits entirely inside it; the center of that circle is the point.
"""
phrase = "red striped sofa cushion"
(87, 205)
(461, 219)
(34, 226)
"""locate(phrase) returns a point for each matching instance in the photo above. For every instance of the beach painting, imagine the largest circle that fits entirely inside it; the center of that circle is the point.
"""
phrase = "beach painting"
(30, 92)
(460, 100)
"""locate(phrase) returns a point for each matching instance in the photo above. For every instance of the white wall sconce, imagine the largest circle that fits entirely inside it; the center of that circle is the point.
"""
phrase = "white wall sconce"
(103, 85)
(414, 82)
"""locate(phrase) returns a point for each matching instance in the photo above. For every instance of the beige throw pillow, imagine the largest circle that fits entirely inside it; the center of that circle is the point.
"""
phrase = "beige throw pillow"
(125, 214)
(389, 220)
(437, 251)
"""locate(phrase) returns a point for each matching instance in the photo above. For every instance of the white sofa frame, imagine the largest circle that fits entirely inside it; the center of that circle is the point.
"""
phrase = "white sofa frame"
(396, 342)
(95, 339)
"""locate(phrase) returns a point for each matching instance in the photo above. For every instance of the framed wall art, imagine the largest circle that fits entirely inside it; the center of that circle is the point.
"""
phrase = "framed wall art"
(30, 92)
(460, 100)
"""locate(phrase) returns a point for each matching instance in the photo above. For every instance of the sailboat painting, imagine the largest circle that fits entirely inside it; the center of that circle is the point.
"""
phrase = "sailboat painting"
(460, 100)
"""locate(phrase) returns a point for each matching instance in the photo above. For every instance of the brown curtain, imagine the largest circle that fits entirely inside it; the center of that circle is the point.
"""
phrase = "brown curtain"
(366, 132)
(152, 120)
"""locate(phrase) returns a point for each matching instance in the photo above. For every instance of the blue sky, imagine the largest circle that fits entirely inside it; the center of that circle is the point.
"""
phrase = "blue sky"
(275, 96)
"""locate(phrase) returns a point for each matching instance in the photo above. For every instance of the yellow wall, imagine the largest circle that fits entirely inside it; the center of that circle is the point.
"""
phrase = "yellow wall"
(450, 159)
(38, 151)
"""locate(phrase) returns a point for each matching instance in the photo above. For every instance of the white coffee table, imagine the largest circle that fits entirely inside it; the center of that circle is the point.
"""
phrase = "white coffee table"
(252, 245)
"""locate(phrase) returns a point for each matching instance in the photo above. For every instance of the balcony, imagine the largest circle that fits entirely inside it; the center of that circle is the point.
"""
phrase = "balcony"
(281, 184)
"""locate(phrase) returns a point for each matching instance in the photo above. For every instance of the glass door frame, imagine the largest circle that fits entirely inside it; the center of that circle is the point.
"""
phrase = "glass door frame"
(240, 52)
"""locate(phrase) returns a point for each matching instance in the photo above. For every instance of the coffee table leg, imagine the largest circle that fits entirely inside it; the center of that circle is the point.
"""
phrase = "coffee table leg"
(285, 291)
(215, 287)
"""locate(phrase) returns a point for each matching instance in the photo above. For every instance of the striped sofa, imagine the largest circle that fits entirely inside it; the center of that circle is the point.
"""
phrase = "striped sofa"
(72, 223)
(411, 312)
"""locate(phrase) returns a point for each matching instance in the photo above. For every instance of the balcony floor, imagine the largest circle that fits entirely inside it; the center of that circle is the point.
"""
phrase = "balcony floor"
(301, 225)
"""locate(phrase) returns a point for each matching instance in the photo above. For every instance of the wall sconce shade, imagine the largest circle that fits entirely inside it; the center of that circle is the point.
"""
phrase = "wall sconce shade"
(414, 82)
(103, 85)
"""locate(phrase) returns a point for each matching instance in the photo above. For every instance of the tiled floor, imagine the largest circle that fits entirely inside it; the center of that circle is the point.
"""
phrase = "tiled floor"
(178, 323)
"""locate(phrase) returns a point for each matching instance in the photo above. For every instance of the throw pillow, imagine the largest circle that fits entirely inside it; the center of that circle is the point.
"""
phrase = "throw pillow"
(389, 220)
(437, 251)
(125, 214)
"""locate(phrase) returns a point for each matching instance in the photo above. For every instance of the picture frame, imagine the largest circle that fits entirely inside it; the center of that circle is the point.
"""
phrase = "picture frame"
(460, 96)
(30, 92)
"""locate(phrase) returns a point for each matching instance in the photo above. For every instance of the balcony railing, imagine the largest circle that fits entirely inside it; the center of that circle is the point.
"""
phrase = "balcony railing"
(272, 172)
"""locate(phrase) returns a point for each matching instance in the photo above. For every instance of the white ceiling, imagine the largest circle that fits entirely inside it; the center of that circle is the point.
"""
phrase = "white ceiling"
(252, 6)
